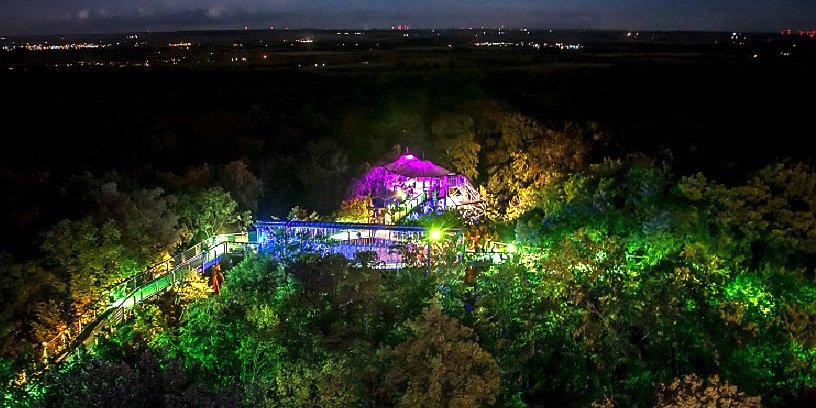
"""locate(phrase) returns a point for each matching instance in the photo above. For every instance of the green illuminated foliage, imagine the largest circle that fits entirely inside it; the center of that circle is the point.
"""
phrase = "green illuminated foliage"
(642, 285)
(208, 343)
(522, 320)
(338, 381)
(622, 279)
(145, 219)
(209, 212)
(800, 321)
(87, 258)
(747, 303)
(299, 334)
(11, 394)
(769, 219)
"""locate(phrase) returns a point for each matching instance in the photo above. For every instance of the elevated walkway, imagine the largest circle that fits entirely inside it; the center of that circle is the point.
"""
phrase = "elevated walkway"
(389, 242)
(116, 304)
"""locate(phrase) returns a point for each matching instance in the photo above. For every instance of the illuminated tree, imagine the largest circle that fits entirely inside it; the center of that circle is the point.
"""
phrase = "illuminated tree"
(145, 219)
(354, 210)
(610, 246)
(87, 258)
(208, 343)
(369, 183)
(528, 157)
(442, 365)
(209, 212)
(769, 219)
(29, 309)
(693, 391)
(302, 214)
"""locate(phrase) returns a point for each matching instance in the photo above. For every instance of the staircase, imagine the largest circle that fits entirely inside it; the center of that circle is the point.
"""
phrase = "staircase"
(467, 199)
(405, 208)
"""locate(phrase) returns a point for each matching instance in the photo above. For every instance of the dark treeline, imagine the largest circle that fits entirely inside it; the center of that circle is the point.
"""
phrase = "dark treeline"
(723, 118)
(140, 123)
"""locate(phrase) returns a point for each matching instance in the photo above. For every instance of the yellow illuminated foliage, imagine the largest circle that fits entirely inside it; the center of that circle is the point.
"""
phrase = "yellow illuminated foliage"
(692, 391)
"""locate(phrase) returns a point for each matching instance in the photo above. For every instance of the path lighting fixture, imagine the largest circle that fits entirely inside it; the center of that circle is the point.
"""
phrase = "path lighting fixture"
(511, 248)
(433, 235)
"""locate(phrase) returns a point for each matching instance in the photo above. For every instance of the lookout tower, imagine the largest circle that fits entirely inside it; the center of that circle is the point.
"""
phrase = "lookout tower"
(410, 187)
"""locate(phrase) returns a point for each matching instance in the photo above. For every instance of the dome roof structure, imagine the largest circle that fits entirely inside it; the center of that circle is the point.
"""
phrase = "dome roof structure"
(409, 165)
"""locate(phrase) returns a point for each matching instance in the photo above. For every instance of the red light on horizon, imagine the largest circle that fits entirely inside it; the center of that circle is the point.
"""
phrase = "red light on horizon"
(801, 33)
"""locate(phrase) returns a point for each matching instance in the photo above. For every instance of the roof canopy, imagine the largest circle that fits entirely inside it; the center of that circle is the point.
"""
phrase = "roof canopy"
(410, 166)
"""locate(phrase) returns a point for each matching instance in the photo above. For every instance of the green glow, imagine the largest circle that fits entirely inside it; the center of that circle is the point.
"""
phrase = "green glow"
(749, 291)
(435, 235)
(511, 248)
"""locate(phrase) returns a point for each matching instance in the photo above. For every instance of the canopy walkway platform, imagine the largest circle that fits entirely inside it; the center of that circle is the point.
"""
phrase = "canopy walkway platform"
(389, 242)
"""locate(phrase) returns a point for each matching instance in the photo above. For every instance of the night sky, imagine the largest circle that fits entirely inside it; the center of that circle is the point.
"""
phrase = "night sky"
(87, 16)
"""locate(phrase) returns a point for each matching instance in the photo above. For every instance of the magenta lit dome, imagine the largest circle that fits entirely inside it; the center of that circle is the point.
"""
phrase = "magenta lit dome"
(409, 165)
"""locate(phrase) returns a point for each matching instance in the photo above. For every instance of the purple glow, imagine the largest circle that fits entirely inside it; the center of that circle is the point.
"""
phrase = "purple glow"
(392, 179)
(368, 185)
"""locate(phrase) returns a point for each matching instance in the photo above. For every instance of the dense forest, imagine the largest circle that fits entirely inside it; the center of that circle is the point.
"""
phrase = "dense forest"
(663, 214)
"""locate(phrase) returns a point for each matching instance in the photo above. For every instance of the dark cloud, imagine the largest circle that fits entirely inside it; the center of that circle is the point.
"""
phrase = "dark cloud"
(76, 16)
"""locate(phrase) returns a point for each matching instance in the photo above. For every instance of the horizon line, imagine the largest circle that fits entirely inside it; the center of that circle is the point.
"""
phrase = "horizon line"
(779, 31)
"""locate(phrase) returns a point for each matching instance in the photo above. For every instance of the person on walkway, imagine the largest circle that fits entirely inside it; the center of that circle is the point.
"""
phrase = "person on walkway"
(217, 279)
